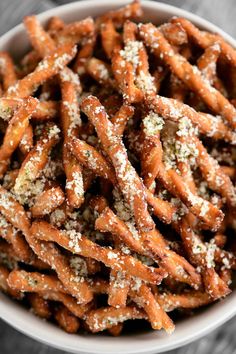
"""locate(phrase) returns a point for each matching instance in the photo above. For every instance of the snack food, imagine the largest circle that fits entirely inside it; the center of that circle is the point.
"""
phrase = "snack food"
(105, 163)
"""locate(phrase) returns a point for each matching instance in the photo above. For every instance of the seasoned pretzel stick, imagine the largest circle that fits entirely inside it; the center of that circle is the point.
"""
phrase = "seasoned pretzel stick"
(35, 31)
(207, 62)
(78, 244)
(7, 70)
(118, 289)
(202, 255)
(119, 284)
(70, 120)
(174, 110)
(36, 159)
(26, 281)
(16, 215)
(44, 110)
(74, 32)
(131, 11)
(26, 142)
(13, 212)
(190, 75)
(47, 201)
(129, 182)
(55, 24)
(47, 68)
(176, 185)
(204, 39)
(214, 175)
(7, 252)
(51, 254)
(204, 210)
(90, 158)
(15, 131)
(156, 315)
(70, 302)
(45, 45)
(39, 306)
(148, 243)
(28, 63)
(100, 71)
(66, 319)
(4, 273)
(189, 300)
(105, 318)
(110, 38)
(122, 116)
(12, 236)
(174, 33)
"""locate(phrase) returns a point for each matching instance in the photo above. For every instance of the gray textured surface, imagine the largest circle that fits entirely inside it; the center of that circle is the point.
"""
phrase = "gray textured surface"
(223, 14)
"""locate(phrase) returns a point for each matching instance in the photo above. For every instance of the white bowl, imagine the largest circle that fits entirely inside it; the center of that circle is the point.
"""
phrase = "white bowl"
(16, 42)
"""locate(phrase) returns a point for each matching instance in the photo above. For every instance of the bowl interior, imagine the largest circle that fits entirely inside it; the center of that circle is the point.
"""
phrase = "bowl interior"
(16, 42)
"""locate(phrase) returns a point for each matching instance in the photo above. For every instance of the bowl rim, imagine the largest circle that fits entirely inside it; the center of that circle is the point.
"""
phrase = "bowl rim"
(8, 308)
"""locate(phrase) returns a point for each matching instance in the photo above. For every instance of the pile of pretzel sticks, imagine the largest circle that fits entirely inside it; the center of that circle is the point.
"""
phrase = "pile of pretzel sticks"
(117, 167)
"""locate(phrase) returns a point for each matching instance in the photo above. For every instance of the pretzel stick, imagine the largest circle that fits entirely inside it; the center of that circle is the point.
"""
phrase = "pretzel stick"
(4, 273)
(26, 142)
(150, 242)
(70, 120)
(156, 315)
(203, 256)
(204, 39)
(47, 68)
(131, 11)
(20, 246)
(118, 289)
(46, 251)
(46, 44)
(66, 320)
(174, 110)
(84, 53)
(28, 63)
(122, 116)
(105, 318)
(7, 70)
(44, 110)
(189, 300)
(15, 132)
(70, 302)
(13, 212)
(47, 201)
(25, 281)
(119, 283)
(177, 186)
(74, 32)
(51, 255)
(36, 159)
(55, 24)
(78, 244)
(110, 38)
(133, 191)
(100, 71)
(174, 33)
(188, 74)
(214, 175)
(90, 158)
(39, 306)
